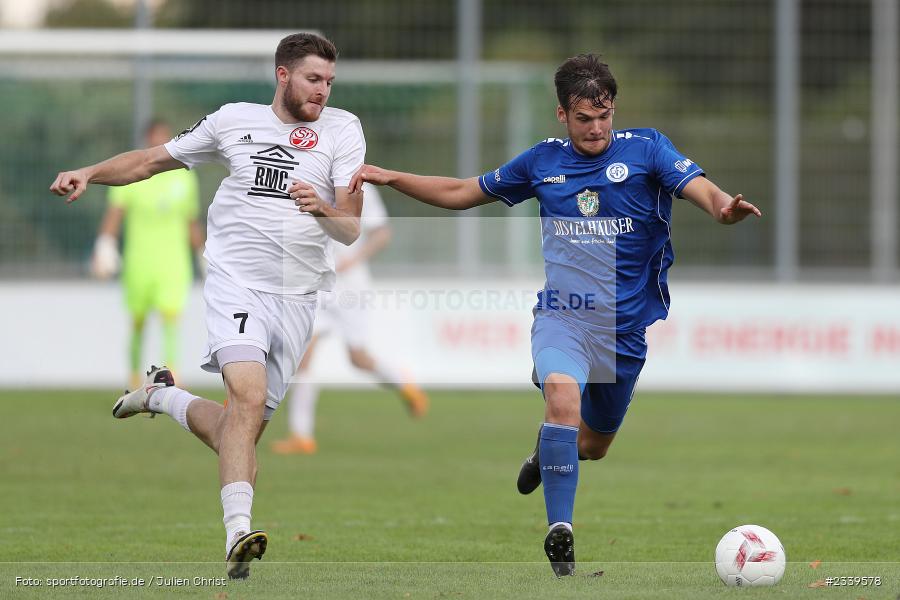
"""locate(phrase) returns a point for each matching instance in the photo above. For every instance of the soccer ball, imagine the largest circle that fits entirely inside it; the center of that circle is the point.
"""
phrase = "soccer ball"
(750, 555)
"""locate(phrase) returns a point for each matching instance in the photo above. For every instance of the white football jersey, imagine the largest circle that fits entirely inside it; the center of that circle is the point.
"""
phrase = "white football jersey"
(255, 232)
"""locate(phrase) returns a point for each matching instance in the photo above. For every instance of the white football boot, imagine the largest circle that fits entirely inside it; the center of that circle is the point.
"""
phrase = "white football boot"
(244, 548)
(132, 403)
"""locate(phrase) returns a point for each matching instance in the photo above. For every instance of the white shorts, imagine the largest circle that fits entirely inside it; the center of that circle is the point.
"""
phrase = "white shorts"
(341, 314)
(280, 325)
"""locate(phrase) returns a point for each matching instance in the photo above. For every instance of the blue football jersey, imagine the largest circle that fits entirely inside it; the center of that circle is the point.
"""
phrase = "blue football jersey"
(604, 224)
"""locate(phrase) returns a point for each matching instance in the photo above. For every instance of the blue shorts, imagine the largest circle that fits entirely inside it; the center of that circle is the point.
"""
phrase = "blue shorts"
(606, 367)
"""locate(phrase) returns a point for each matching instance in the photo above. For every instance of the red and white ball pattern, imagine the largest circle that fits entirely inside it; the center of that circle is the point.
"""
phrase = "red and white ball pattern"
(750, 555)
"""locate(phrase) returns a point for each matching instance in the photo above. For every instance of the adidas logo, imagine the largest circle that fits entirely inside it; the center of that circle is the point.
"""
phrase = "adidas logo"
(246, 139)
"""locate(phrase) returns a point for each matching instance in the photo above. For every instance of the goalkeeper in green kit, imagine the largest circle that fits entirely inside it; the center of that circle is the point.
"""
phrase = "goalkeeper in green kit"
(161, 229)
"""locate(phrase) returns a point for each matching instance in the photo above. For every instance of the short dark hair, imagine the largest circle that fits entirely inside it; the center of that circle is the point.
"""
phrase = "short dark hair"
(300, 45)
(585, 77)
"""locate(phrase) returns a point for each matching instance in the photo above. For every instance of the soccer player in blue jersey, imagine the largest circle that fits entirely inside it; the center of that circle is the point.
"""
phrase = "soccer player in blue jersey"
(605, 208)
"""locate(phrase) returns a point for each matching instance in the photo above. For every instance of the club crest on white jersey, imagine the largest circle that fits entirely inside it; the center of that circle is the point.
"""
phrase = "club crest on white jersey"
(304, 138)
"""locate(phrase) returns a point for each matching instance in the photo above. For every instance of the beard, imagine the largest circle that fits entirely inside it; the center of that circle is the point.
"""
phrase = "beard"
(295, 106)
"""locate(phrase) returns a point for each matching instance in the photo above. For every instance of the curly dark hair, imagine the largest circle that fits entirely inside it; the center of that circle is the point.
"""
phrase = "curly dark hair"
(585, 77)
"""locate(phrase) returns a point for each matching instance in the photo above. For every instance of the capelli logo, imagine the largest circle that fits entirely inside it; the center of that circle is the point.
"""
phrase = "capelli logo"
(555, 179)
(559, 468)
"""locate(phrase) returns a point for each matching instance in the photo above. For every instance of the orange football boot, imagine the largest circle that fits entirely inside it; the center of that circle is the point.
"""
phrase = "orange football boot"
(416, 400)
(295, 444)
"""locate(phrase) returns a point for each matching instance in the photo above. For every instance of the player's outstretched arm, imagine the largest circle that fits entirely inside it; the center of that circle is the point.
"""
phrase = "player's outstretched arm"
(121, 169)
(444, 192)
(720, 206)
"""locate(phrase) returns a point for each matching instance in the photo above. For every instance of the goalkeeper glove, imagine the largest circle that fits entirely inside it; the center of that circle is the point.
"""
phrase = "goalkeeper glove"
(105, 261)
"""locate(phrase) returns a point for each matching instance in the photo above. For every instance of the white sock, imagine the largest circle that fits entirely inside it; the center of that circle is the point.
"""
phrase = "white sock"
(237, 500)
(302, 408)
(387, 375)
(173, 401)
(566, 525)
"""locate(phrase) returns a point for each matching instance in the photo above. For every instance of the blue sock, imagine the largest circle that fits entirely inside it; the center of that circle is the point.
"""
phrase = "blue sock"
(559, 470)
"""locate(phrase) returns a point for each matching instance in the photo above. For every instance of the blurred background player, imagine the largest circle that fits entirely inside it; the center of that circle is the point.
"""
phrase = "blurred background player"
(345, 312)
(161, 229)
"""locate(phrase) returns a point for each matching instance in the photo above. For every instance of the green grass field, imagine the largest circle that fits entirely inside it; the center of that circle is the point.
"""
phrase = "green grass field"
(391, 508)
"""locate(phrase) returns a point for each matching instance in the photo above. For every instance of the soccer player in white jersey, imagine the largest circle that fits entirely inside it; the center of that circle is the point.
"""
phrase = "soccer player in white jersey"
(269, 230)
(346, 312)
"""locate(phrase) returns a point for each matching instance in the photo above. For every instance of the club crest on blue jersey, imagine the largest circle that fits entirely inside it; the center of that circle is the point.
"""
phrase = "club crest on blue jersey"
(617, 172)
(588, 203)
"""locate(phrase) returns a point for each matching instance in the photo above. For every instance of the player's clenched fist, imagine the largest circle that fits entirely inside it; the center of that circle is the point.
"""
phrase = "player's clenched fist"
(306, 198)
(70, 182)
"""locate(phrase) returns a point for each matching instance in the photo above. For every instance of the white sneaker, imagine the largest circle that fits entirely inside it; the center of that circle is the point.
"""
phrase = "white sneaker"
(132, 403)
(244, 548)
